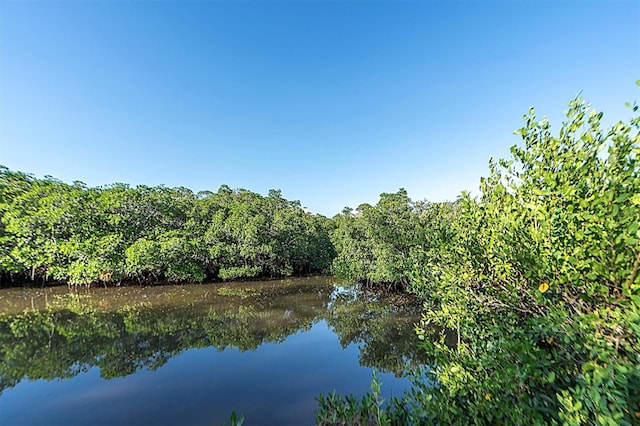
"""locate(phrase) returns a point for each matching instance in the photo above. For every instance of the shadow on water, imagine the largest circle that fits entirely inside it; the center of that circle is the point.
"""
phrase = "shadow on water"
(120, 332)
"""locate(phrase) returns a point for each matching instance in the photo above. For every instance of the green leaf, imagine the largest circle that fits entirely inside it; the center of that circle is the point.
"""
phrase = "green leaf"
(552, 377)
(622, 198)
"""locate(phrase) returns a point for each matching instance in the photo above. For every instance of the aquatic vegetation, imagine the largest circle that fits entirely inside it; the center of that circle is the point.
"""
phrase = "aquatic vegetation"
(237, 292)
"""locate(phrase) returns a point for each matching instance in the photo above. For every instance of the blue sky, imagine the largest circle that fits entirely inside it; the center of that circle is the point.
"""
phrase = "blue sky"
(331, 102)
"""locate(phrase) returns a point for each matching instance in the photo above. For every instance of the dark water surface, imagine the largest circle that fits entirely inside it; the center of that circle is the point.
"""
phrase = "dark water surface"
(189, 355)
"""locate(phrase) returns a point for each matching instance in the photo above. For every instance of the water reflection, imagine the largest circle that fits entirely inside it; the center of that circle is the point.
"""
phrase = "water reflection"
(382, 326)
(117, 332)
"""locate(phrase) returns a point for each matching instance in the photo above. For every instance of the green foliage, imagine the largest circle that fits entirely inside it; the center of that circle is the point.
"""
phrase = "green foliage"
(143, 257)
(537, 280)
(52, 230)
(541, 284)
(335, 410)
(373, 244)
(234, 420)
(235, 272)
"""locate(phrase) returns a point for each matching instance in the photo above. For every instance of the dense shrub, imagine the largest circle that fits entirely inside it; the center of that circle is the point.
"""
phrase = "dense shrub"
(538, 279)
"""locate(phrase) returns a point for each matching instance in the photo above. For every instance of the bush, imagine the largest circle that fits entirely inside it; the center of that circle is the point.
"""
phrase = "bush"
(541, 284)
(538, 279)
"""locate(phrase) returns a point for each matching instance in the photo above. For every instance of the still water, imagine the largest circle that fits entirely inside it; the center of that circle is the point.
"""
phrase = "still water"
(189, 355)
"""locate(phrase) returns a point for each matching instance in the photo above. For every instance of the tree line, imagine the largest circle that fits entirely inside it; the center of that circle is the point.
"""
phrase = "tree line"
(51, 230)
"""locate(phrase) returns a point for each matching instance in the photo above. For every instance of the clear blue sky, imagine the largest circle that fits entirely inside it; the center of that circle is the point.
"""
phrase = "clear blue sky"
(332, 102)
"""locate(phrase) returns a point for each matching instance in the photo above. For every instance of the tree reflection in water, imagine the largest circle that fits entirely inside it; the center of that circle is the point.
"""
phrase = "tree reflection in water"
(77, 332)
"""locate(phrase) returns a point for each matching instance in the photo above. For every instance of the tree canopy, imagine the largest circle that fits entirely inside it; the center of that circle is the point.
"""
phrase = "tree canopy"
(71, 233)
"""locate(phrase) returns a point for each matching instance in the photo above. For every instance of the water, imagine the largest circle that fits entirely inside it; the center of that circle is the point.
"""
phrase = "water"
(189, 355)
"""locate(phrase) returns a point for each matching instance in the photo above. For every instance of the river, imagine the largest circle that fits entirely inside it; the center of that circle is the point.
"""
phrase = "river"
(191, 354)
